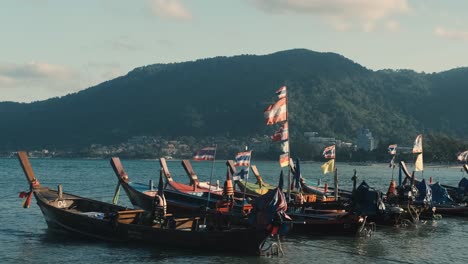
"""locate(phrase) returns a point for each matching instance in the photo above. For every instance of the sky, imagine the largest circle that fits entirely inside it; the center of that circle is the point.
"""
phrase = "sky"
(56, 47)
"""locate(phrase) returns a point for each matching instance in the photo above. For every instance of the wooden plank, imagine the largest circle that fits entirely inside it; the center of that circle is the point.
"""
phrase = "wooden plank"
(256, 174)
(184, 223)
(190, 172)
(232, 166)
(27, 168)
(129, 216)
(162, 162)
(405, 169)
(118, 169)
(130, 211)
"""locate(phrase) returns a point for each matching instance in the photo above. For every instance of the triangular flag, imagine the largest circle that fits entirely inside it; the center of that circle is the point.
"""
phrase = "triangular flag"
(418, 165)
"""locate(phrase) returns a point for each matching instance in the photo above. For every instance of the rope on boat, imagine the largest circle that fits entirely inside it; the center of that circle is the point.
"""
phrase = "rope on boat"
(368, 229)
(406, 223)
(274, 249)
(415, 217)
(437, 216)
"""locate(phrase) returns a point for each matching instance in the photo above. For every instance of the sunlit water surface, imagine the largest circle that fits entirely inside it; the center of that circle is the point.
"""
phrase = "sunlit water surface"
(24, 236)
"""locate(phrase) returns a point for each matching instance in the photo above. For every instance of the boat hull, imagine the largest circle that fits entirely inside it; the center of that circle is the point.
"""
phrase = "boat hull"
(178, 203)
(452, 210)
(97, 225)
(343, 225)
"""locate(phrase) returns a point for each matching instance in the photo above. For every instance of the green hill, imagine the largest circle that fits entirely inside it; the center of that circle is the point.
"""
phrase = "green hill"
(226, 96)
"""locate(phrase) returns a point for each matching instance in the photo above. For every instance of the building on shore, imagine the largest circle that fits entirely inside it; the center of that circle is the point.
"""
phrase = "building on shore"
(365, 140)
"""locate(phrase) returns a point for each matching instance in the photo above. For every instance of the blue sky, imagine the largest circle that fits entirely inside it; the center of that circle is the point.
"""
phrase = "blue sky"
(52, 48)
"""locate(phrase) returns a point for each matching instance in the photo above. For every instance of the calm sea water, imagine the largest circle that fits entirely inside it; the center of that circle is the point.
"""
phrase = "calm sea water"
(24, 236)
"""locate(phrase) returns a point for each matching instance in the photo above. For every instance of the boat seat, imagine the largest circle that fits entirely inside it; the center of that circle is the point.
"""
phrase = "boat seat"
(129, 216)
(184, 223)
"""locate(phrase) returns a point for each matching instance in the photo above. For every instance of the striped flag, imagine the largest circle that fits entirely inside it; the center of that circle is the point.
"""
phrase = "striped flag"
(282, 133)
(242, 174)
(284, 160)
(243, 158)
(417, 147)
(329, 152)
(281, 92)
(392, 149)
(276, 112)
(205, 154)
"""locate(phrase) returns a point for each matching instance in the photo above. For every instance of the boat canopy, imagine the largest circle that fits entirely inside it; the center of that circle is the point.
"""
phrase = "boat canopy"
(463, 185)
(424, 192)
(440, 194)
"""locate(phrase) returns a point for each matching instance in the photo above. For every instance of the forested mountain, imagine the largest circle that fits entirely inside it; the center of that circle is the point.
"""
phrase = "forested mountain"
(226, 96)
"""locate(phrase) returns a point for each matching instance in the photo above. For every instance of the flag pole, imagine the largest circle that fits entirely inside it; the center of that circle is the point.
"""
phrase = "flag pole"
(422, 172)
(422, 157)
(335, 178)
(246, 177)
(211, 177)
(289, 147)
(336, 184)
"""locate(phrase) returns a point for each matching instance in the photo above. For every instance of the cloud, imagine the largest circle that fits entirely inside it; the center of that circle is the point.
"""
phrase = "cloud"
(341, 14)
(392, 25)
(451, 34)
(35, 71)
(171, 9)
(39, 81)
(18, 81)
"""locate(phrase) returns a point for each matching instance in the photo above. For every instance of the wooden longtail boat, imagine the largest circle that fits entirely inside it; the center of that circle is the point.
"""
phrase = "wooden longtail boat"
(308, 216)
(257, 188)
(312, 223)
(181, 199)
(315, 201)
(321, 191)
(452, 209)
(194, 182)
(100, 220)
(309, 219)
(370, 202)
(309, 192)
(337, 224)
(324, 193)
(196, 186)
(202, 187)
(455, 203)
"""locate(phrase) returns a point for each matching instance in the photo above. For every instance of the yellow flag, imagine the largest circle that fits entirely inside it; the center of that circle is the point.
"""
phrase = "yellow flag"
(418, 165)
(328, 166)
